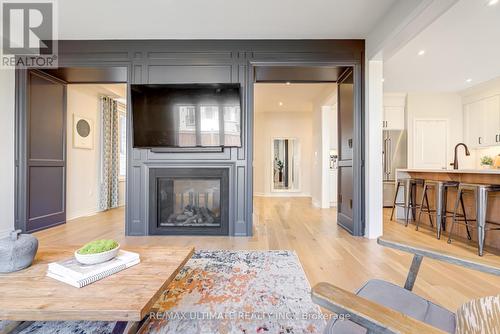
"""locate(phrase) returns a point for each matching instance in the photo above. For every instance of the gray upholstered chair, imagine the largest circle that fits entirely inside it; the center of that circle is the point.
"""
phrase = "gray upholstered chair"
(383, 307)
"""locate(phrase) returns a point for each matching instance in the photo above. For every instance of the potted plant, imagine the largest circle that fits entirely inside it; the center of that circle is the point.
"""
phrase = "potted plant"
(486, 162)
(279, 166)
(97, 251)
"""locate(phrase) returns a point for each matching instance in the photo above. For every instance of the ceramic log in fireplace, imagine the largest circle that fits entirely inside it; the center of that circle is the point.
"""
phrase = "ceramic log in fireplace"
(186, 201)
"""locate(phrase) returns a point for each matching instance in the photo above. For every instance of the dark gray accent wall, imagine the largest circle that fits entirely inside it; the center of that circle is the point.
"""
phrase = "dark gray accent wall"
(204, 61)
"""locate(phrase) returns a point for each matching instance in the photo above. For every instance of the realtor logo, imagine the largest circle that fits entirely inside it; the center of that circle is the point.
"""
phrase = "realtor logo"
(28, 34)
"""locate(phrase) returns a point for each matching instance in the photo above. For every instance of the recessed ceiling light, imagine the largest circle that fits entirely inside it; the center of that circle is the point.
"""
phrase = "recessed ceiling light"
(280, 103)
(492, 2)
(288, 82)
(468, 80)
(421, 52)
(383, 79)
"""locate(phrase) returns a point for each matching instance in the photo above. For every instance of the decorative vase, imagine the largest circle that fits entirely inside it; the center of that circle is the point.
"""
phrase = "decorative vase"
(17, 251)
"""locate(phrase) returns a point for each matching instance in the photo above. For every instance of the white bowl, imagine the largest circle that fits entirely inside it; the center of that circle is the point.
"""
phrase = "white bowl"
(98, 257)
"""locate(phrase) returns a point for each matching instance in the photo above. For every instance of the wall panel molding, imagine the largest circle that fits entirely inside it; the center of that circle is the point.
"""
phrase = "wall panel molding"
(200, 61)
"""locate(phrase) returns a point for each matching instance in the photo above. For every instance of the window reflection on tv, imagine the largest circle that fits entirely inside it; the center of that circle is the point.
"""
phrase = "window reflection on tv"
(194, 115)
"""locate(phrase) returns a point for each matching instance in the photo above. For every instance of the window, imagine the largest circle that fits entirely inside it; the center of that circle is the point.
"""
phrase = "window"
(122, 125)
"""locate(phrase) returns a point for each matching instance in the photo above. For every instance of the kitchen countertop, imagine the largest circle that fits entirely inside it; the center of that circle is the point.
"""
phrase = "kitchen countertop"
(454, 171)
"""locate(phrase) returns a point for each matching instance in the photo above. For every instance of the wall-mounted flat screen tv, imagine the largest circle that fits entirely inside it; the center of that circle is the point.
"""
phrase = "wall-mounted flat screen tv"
(186, 115)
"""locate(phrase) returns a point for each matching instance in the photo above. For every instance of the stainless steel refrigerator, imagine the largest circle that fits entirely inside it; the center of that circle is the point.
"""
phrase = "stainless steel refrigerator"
(395, 155)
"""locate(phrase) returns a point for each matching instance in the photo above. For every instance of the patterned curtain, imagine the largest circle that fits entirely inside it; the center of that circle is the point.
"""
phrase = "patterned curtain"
(110, 154)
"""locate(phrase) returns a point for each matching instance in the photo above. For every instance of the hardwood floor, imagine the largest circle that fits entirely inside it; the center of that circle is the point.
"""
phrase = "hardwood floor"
(327, 252)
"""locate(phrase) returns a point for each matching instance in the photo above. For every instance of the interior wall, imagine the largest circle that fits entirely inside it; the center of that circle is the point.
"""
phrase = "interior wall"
(270, 125)
(82, 172)
(374, 115)
(7, 122)
(432, 106)
(83, 165)
(321, 145)
(208, 61)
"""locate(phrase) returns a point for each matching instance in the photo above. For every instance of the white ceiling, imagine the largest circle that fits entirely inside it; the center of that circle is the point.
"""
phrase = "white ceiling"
(294, 97)
(463, 43)
(218, 19)
(117, 91)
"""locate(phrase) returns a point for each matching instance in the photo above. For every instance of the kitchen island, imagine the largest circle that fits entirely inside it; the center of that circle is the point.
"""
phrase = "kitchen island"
(476, 176)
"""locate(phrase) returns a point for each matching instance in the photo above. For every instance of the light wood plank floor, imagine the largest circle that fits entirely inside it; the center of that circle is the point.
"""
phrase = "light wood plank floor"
(327, 252)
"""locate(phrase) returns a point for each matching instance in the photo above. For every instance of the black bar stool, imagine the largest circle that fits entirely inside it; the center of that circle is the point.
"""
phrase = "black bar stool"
(410, 191)
(440, 204)
(480, 192)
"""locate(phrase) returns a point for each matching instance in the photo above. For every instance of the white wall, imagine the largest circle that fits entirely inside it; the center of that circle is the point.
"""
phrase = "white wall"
(83, 165)
(269, 125)
(82, 174)
(446, 106)
(373, 143)
(321, 122)
(7, 81)
(316, 156)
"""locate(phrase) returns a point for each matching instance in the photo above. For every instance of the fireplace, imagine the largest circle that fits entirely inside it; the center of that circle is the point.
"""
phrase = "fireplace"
(186, 201)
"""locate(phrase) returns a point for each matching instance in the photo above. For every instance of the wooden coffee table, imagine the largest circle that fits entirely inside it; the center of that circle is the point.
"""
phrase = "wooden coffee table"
(29, 295)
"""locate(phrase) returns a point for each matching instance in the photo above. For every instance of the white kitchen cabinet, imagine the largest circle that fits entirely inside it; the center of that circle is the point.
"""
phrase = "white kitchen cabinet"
(482, 122)
(473, 124)
(394, 118)
(394, 111)
(430, 143)
(492, 128)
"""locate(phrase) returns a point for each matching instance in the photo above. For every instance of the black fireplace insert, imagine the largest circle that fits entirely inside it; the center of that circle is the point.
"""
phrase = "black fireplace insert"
(189, 201)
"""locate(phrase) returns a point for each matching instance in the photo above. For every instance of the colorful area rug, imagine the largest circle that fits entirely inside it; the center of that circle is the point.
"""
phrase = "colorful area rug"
(225, 292)
(238, 292)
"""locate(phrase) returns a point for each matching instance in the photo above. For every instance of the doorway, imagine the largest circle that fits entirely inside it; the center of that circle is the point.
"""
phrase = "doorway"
(95, 166)
(62, 145)
(272, 178)
(291, 154)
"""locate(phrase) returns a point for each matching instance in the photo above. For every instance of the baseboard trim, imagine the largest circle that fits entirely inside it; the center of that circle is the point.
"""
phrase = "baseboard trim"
(84, 213)
(281, 194)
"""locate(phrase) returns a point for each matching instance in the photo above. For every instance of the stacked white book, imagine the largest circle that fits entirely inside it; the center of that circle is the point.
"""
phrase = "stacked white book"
(72, 272)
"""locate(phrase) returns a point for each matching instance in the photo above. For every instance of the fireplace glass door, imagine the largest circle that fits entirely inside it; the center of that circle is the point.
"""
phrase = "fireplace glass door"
(189, 202)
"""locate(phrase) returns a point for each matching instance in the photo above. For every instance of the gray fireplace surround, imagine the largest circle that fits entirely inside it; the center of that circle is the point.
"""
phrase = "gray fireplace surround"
(196, 61)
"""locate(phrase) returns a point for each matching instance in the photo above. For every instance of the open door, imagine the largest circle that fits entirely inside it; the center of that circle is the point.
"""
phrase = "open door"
(349, 79)
(346, 152)
(45, 140)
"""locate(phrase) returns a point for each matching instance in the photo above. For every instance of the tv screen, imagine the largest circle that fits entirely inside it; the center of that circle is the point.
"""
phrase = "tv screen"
(188, 115)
